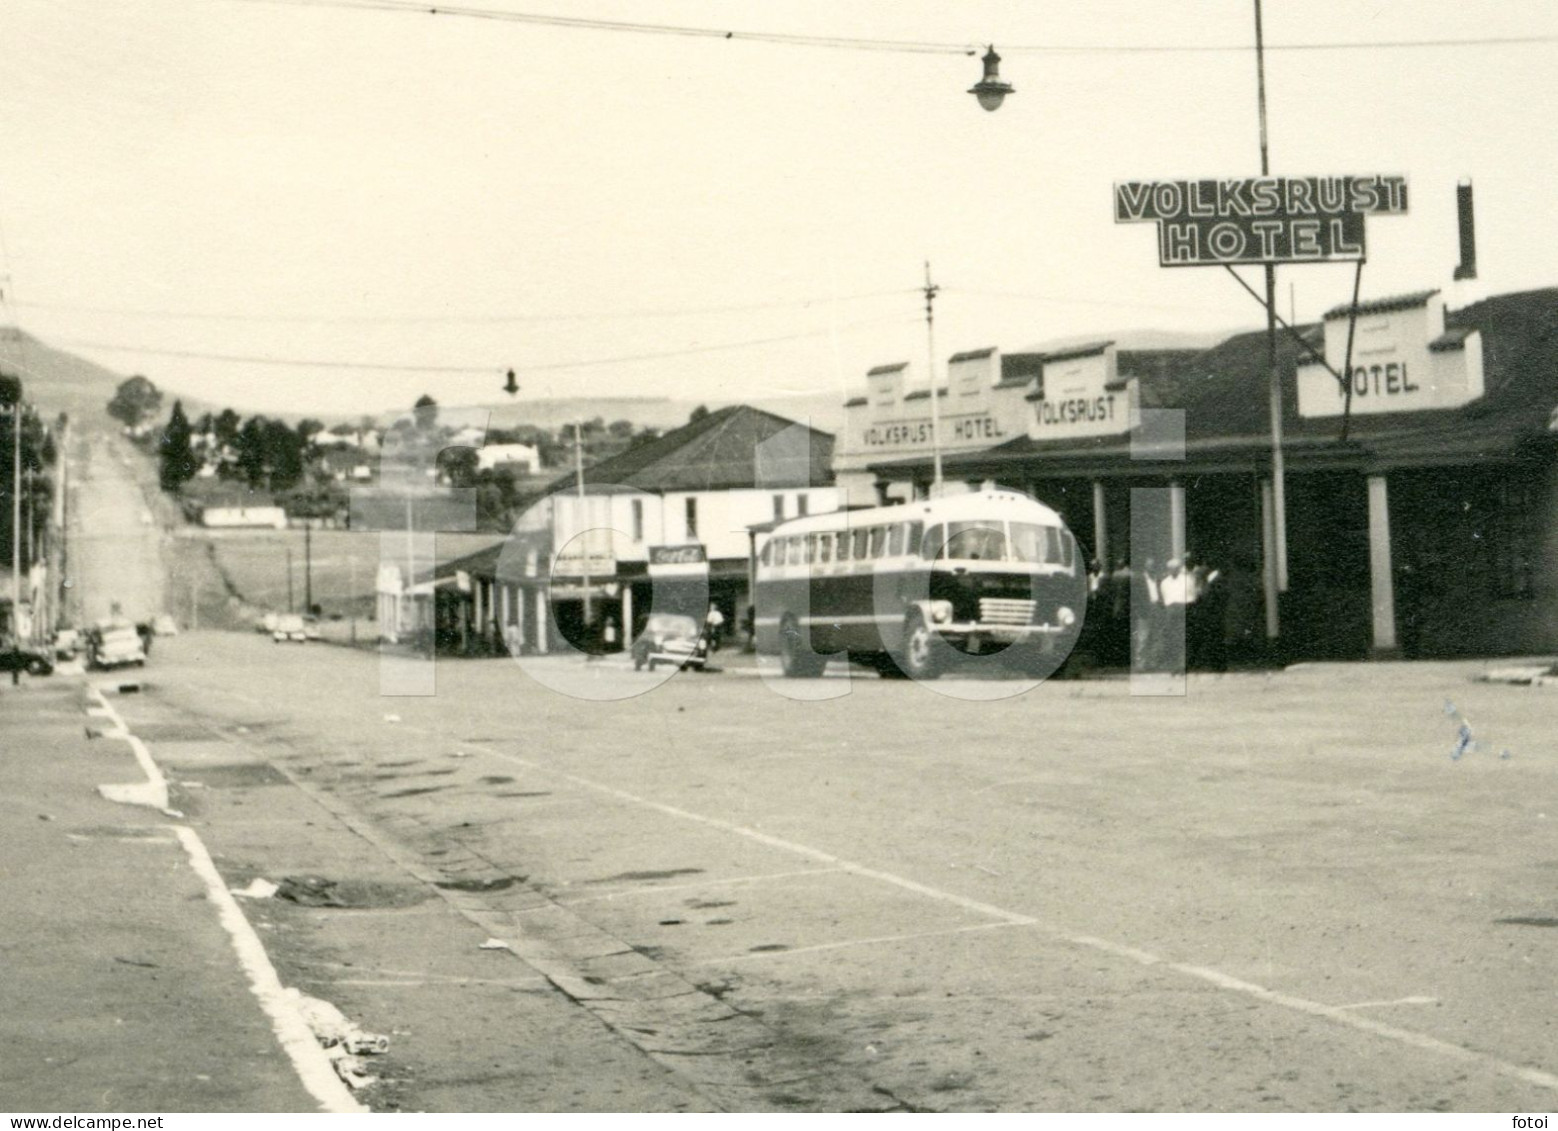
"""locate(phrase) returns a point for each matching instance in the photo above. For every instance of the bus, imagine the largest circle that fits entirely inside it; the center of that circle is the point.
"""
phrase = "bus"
(908, 588)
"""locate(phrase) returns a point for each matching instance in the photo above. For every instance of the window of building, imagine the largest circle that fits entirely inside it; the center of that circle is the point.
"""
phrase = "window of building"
(1511, 538)
(692, 518)
(638, 520)
(778, 508)
(801, 505)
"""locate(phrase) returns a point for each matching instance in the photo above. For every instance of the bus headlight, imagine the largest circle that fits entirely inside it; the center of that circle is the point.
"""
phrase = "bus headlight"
(1065, 616)
(940, 611)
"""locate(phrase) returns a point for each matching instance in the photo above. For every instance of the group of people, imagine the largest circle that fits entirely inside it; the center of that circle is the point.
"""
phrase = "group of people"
(1184, 615)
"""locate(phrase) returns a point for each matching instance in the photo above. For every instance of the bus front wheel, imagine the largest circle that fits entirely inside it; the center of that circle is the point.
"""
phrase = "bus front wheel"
(796, 658)
(917, 658)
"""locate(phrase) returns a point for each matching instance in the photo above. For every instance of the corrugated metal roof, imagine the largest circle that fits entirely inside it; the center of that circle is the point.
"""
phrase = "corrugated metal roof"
(970, 355)
(893, 368)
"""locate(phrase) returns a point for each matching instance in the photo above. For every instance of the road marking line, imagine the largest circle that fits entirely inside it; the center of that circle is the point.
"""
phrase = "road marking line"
(1397, 1001)
(154, 790)
(1217, 978)
(563, 901)
(847, 943)
(296, 1038)
(836, 862)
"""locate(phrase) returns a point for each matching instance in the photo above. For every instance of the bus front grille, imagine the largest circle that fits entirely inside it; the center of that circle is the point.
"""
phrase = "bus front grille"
(1005, 610)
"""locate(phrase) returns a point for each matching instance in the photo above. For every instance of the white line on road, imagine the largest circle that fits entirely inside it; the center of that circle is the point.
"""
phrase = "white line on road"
(1337, 1014)
(296, 1038)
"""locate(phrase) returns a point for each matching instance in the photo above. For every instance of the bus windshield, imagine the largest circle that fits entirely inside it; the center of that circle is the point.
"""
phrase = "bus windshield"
(1040, 544)
(975, 541)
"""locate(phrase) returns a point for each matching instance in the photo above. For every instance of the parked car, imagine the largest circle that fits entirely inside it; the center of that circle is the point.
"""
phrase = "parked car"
(117, 646)
(670, 638)
(289, 626)
(24, 659)
(67, 642)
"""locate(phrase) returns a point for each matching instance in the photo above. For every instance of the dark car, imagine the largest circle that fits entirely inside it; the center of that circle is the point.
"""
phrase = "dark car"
(24, 659)
(670, 638)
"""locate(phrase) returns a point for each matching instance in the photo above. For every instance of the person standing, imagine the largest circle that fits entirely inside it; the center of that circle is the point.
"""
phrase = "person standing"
(1174, 593)
(714, 626)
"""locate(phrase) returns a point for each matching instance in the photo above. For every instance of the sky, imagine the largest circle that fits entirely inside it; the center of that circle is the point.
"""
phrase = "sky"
(373, 197)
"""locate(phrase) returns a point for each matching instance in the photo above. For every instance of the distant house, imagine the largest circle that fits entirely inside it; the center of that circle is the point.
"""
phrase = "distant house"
(524, 458)
(274, 518)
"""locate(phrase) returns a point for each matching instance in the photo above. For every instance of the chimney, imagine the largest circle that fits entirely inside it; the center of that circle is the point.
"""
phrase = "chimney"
(1468, 266)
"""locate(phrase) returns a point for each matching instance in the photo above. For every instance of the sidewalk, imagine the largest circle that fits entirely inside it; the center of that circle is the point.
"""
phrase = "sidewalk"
(122, 992)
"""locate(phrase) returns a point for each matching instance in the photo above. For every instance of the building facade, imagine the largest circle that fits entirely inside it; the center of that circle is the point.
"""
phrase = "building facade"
(1419, 481)
(664, 526)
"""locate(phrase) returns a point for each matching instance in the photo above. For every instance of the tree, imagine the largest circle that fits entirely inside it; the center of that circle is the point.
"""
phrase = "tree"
(10, 389)
(175, 458)
(307, 429)
(135, 401)
(426, 412)
(251, 451)
(283, 455)
(621, 429)
(458, 466)
(698, 414)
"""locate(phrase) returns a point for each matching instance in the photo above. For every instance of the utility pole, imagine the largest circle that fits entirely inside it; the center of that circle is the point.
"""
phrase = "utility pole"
(578, 465)
(930, 290)
(1279, 572)
(16, 537)
(291, 604)
(308, 567)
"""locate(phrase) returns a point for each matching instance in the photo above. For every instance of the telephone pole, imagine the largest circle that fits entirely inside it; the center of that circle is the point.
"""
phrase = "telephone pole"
(929, 291)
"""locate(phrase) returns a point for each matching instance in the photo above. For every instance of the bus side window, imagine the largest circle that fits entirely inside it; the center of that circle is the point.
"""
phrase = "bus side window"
(843, 545)
(861, 537)
(768, 552)
(934, 543)
(824, 548)
(792, 553)
(878, 541)
(914, 533)
(895, 540)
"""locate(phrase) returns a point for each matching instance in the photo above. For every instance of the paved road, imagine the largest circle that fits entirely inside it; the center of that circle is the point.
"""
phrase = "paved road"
(1275, 893)
(115, 536)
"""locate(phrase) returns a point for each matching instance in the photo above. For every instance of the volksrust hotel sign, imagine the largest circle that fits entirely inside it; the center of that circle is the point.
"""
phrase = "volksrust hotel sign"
(1259, 219)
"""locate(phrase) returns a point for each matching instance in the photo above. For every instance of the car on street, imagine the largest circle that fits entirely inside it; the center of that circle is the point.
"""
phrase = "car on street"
(117, 646)
(670, 638)
(67, 642)
(14, 658)
(289, 626)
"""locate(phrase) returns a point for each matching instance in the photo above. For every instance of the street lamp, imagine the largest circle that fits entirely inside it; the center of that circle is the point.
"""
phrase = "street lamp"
(990, 90)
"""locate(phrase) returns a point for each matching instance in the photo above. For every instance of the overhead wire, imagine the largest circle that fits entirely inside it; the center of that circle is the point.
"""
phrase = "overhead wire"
(900, 46)
(458, 319)
(495, 367)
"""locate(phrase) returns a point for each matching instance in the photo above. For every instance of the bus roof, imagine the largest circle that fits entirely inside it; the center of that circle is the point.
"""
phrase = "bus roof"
(970, 507)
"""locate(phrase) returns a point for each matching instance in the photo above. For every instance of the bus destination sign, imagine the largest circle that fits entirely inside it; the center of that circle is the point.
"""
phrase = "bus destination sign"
(1259, 219)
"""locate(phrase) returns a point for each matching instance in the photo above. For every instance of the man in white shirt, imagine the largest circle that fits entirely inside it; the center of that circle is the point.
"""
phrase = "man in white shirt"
(1175, 593)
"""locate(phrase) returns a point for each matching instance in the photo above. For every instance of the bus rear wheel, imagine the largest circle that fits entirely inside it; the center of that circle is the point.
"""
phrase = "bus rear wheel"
(796, 659)
(916, 658)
